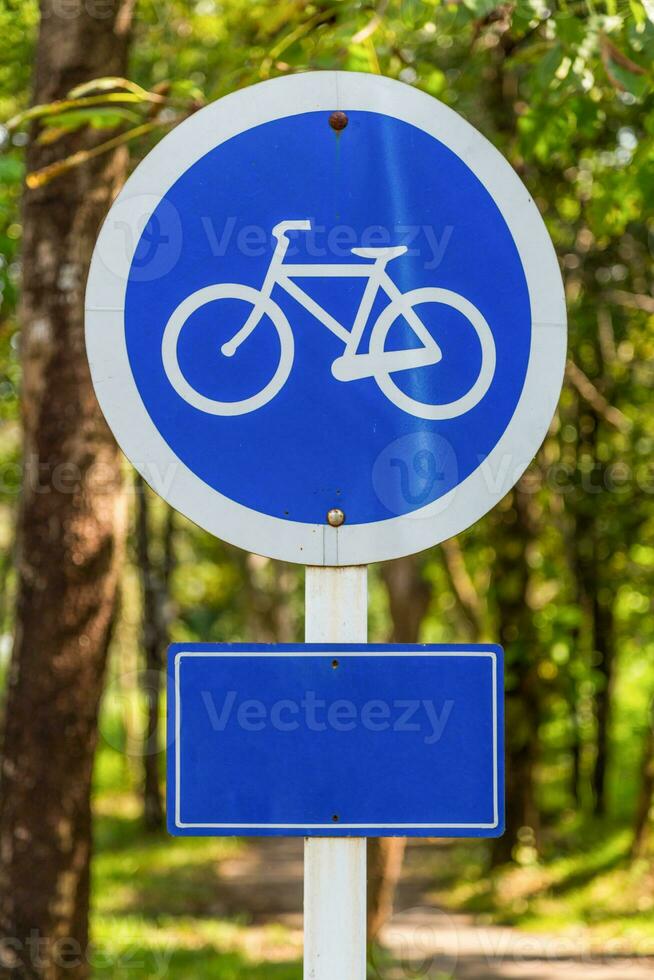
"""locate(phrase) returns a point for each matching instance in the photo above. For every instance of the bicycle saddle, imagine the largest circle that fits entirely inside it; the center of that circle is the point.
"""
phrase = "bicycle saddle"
(392, 251)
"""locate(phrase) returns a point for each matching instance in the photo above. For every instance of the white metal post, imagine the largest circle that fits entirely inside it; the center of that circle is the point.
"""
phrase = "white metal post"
(336, 611)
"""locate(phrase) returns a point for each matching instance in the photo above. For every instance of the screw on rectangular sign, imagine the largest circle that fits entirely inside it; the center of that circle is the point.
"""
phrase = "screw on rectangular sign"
(335, 740)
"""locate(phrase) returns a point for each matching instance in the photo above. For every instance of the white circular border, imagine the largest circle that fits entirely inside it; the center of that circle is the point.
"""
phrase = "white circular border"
(318, 544)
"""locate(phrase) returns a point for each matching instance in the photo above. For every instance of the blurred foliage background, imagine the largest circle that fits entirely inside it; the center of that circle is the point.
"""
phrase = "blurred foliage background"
(561, 572)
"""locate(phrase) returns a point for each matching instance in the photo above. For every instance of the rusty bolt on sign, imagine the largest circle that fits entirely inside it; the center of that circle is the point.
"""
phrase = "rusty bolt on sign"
(335, 517)
(338, 121)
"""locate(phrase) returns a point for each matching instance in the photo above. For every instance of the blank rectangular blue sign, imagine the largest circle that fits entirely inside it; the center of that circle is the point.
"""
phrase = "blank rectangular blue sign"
(335, 740)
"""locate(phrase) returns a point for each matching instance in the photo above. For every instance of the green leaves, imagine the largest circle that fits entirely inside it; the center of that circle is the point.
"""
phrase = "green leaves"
(624, 73)
(38, 178)
(481, 8)
(11, 170)
(104, 104)
(109, 84)
(648, 7)
(68, 122)
(40, 113)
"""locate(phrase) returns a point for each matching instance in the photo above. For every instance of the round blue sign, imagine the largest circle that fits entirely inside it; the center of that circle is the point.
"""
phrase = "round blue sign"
(316, 318)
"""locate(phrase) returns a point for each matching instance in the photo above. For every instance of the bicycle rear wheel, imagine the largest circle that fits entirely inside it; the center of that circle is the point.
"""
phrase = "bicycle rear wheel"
(179, 318)
(395, 394)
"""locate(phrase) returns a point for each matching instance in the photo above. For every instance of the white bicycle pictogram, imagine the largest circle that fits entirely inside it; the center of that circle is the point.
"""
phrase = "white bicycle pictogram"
(352, 364)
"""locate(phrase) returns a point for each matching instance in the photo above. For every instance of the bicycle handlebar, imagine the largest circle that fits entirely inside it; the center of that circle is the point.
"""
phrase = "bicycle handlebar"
(279, 231)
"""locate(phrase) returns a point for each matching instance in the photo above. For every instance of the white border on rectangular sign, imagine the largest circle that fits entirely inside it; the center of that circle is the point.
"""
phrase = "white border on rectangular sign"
(401, 651)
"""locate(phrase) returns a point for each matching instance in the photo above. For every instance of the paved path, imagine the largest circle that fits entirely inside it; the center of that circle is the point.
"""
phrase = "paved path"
(453, 946)
(422, 942)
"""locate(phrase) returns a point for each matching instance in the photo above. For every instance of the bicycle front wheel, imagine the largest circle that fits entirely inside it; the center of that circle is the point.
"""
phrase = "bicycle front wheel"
(395, 394)
(212, 294)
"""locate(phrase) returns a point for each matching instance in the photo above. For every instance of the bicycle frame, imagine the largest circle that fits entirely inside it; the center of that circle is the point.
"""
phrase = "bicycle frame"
(377, 363)
(352, 364)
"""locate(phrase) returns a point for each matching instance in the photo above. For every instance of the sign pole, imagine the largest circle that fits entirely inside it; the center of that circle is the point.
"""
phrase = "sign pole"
(415, 416)
(336, 611)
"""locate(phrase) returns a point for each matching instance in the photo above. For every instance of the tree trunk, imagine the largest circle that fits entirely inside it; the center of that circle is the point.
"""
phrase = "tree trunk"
(154, 592)
(579, 648)
(572, 532)
(471, 607)
(576, 748)
(605, 651)
(385, 858)
(646, 794)
(408, 597)
(70, 530)
(519, 638)
(596, 596)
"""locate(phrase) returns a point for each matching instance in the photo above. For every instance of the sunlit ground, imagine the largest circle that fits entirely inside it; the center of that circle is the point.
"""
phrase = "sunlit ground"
(584, 884)
(159, 907)
(155, 899)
